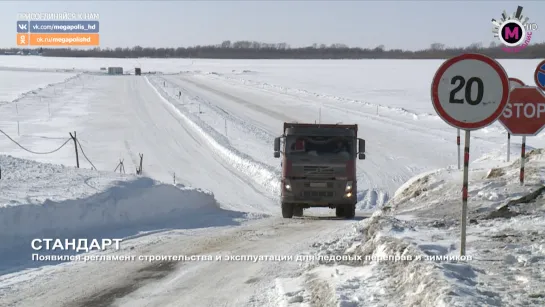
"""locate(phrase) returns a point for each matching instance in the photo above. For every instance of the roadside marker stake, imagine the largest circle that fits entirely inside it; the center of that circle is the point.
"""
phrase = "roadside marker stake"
(469, 92)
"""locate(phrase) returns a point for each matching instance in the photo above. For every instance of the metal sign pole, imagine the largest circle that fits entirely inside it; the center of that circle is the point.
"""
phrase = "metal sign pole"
(457, 93)
(458, 143)
(465, 185)
(522, 158)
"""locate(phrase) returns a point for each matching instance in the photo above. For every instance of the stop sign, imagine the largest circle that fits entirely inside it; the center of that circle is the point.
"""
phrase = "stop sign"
(525, 112)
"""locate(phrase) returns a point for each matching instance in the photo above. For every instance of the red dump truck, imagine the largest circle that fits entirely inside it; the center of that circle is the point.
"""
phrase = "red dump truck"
(319, 167)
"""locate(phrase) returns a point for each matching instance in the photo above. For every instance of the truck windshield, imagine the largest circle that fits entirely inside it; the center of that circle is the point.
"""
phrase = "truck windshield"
(320, 146)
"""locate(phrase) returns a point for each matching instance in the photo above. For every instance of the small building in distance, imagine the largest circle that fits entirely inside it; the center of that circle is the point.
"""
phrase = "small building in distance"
(137, 71)
(115, 70)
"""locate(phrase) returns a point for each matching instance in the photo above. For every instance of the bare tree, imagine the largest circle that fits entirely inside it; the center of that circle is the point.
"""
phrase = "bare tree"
(437, 46)
(259, 50)
(379, 48)
(475, 46)
(226, 44)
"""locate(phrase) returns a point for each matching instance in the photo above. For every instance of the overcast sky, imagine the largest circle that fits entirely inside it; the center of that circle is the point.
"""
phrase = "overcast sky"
(395, 24)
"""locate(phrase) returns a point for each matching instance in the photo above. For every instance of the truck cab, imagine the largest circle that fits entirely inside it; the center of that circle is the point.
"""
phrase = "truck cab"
(319, 167)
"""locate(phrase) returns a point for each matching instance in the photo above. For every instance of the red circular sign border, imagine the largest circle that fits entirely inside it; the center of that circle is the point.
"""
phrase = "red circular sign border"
(485, 122)
(517, 80)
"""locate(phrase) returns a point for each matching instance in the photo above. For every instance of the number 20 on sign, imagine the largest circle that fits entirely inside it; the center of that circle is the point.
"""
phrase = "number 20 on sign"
(469, 92)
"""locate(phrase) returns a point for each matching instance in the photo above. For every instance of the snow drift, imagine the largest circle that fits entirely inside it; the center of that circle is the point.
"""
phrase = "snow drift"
(368, 283)
(40, 200)
(504, 250)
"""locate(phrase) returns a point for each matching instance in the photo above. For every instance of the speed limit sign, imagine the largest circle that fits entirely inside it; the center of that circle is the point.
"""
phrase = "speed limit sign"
(470, 91)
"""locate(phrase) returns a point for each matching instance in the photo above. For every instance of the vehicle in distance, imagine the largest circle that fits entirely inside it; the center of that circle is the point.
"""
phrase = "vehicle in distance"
(319, 167)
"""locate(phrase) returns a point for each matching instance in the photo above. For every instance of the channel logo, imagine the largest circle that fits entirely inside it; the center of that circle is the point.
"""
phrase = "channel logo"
(514, 32)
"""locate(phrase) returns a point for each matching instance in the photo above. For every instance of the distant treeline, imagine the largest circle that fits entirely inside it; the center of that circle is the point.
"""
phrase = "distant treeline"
(257, 50)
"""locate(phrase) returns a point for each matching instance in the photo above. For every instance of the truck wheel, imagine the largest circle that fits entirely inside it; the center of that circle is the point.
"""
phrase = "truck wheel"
(350, 211)
(287, 211)
(339, 211)
(297, 211)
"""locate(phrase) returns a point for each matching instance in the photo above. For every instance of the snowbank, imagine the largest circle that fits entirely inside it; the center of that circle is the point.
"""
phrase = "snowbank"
(489, 187)
(366, 282)
(53, 201)
(263, 174)
(391, 253)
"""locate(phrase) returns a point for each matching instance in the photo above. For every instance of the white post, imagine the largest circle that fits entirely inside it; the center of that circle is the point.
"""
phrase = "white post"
(320, 116)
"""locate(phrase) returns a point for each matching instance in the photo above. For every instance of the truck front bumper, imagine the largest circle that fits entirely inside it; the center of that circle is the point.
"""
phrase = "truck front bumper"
(312, 193)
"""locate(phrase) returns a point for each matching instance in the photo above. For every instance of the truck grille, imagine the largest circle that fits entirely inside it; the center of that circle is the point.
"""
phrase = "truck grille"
(318, 194)
(317, 170)
(329, 185)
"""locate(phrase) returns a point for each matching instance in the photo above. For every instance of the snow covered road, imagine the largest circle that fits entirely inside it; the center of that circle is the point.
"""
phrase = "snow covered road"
(178, 283)
(395, 142)
(171, 148)
(218, 135)
(213, 283)
(139, 118)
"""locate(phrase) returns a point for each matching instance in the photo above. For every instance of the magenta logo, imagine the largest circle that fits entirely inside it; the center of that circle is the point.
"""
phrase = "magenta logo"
(514, 32)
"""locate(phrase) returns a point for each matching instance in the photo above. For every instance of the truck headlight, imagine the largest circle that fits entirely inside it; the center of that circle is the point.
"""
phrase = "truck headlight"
(348, 195)
(287, 185)
(348, 186)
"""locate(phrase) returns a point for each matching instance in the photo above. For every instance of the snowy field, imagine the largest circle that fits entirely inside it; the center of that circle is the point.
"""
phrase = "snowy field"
(209, 186)
(17, 84)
